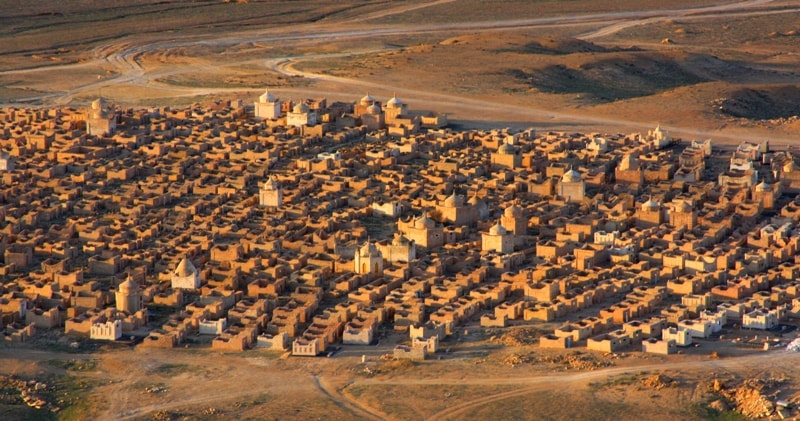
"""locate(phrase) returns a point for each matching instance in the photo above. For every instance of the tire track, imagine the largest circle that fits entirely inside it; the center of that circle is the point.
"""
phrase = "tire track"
(351, 405)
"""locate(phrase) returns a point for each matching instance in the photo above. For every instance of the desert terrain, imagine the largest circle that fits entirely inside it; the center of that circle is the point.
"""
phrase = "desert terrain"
(702, 69)
(725, 70)
(486, 375)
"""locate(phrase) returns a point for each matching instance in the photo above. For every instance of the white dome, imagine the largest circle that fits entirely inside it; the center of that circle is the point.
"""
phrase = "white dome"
(266, 97)
(394, 102)
(374, 109)
(506, 149)
(498, 229)
(571, 176)
(300, 108)
(367, 100)
(369, 250)
(650, 204)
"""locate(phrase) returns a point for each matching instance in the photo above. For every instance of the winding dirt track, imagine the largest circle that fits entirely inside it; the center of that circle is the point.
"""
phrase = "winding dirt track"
(123, 56)
(123, 374)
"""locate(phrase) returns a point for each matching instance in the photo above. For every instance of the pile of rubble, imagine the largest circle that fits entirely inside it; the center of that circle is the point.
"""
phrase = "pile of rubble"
(211, 411)
(575, 361)
(514, 360)
(31, 392)
(659, 381)
(155, 389)
(165, 416)
(794, 345)
(753, 398)
(751, 403)
(517, 337)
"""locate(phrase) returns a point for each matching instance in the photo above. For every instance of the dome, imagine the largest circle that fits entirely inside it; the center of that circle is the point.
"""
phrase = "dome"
(571, 176)
(650, 204)
(99, 104)
(374, 109)
(763, 186)
(300, 108)
(513, 211)
(369, 250)
(367, 100)
(270, 184)
(394, 102)
(185, 268)
(424, 222)
(453, 201)
(399, 240)
(506, 149)
(100, 109)
(498, 229)
(267, 97)
(128, 285)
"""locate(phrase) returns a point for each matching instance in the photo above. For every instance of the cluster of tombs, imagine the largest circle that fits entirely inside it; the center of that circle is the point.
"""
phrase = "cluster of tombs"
(302, 225)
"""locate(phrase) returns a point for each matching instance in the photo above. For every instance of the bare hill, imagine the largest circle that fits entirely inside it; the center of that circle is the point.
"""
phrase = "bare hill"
(762, 103)
(614, 75)
(562, 46)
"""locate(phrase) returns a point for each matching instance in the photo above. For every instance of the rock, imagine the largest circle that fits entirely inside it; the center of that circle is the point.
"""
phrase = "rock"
(719, 405)
(658, 381)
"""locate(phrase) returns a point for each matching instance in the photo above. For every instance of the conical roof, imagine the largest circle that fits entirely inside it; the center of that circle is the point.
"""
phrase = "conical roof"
(185, 268)
(571, 176)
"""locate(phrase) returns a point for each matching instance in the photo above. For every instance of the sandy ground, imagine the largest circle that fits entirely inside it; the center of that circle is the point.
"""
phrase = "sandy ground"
(474, 377)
